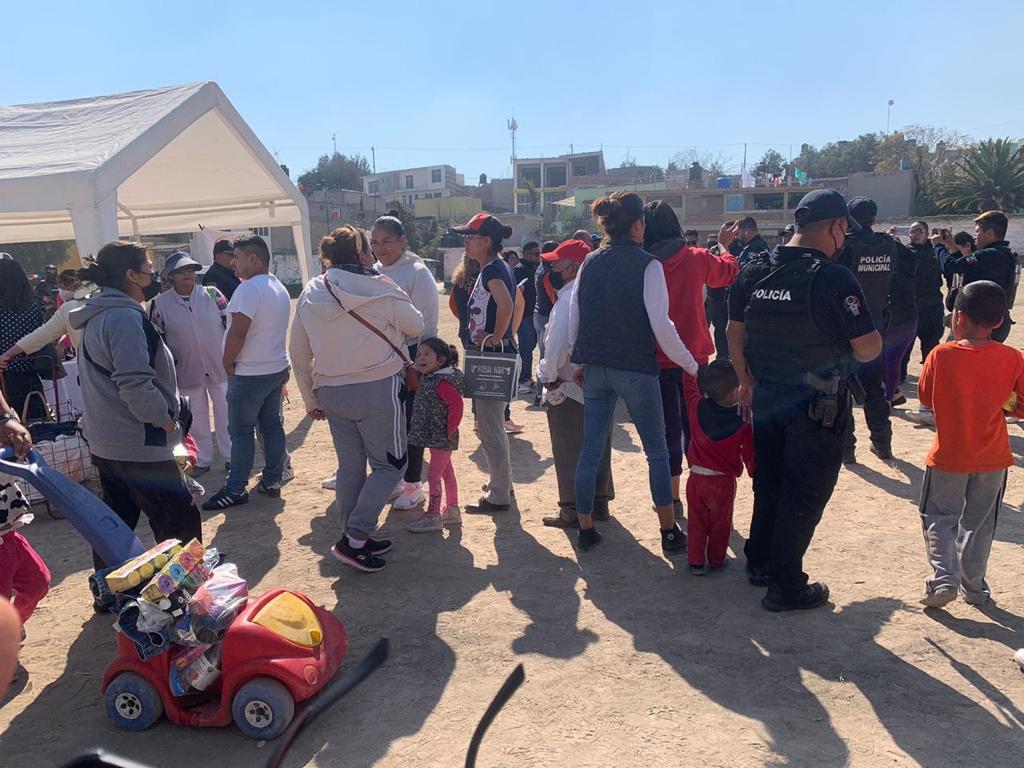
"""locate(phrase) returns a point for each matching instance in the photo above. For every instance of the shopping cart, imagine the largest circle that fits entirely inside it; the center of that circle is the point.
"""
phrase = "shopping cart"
(53, 421)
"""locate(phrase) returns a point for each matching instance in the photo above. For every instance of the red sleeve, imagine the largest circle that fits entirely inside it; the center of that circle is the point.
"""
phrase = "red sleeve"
(720, 271)
(925, 383)
(450, 397)
(452, 305)
(191, 448)
(1018, 389)
(747, 448)
(691, 394)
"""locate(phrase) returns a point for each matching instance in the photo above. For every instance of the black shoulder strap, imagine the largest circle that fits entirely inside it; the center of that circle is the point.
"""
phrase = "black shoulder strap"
(152, 343)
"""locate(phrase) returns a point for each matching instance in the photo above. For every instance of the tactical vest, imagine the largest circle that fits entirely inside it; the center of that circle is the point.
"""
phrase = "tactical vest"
(872, 263)
(614, 330)
(783, 341)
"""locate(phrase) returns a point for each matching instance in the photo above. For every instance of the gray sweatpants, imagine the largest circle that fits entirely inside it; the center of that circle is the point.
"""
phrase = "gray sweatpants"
(490, 418)
(368, 426)
(958, 513)
(565, 423)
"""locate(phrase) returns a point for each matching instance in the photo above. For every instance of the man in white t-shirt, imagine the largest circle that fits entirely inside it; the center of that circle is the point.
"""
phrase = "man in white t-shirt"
(256, 361)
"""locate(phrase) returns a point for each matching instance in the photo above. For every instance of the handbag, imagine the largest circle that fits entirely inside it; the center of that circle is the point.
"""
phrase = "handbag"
(412, 376)
(47, 364)
(492, 374)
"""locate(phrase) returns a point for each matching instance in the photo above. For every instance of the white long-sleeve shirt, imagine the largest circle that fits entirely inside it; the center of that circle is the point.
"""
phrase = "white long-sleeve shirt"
(656, 304)
(557, 348)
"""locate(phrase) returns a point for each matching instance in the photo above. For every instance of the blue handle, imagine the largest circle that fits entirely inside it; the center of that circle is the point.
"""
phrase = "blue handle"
(106, 533)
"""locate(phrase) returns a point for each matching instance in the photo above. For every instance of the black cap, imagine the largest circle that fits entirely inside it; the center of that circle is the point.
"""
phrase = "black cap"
(222, 246)
(789, 229)
(179, 260)
(482, 224)
(822, 205)
(863, 209)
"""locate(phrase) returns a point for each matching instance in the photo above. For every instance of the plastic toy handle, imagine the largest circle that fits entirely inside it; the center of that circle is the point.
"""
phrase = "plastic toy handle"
(9, 462)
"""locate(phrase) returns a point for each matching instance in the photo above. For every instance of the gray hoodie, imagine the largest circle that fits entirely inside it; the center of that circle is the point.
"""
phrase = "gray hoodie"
(416, 279)
(127, 406)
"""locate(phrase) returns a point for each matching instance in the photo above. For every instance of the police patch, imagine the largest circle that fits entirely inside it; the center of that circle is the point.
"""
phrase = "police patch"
(853, 305)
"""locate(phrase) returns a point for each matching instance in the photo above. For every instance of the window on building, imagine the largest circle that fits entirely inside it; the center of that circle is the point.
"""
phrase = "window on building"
(409, 182)
(437, 194)
(772, 202)
(734, 203)
(435, 176)
(373, 188)
(261, 231)
(555, 176)
(529, 173)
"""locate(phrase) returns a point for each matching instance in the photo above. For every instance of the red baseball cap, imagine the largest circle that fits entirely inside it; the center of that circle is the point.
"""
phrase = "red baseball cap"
(570, 250)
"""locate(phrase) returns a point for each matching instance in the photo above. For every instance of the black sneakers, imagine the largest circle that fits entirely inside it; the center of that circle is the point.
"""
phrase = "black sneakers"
(485, 507)
(366, 559)
(882, 451)
(273, 491)
(224, 498)
(673, 542)
(811, 596)
(588, 538)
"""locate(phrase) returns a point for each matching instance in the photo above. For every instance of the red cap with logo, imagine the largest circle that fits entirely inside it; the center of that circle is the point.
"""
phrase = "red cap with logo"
(570, 250)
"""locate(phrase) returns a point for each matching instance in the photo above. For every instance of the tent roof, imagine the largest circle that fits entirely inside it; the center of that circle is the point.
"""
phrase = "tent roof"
(174, 158)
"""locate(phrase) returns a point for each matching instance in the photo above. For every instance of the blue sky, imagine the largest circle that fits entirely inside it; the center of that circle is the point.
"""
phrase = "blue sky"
(435, 82)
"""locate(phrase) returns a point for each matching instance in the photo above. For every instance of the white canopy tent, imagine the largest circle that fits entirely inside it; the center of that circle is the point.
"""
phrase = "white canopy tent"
(150, 162)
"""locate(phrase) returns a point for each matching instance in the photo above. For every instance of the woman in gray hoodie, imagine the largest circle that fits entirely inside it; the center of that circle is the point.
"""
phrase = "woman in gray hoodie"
(130, 419)
(350, 376)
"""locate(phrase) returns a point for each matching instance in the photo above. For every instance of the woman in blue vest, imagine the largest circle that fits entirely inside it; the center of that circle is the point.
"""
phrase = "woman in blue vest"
(618, 318)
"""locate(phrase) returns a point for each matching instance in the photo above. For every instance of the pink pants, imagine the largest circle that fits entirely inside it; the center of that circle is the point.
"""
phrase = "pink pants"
(23, 574)
(441, 470)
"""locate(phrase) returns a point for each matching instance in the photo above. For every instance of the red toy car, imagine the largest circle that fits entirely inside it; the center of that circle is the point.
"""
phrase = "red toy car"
(281, 649)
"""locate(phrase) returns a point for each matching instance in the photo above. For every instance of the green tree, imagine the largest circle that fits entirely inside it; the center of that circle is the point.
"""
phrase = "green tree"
(770, 162)
(988, 176)
(713, 163)
(925, 150)
(34, 257)
(839, 158)
(337, 172)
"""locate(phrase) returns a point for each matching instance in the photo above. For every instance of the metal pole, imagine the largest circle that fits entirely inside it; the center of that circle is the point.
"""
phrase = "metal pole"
(888, 114)
(334, 142)
(373, 152)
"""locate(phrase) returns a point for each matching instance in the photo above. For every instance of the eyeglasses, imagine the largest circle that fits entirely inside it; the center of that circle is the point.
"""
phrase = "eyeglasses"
(916, 231)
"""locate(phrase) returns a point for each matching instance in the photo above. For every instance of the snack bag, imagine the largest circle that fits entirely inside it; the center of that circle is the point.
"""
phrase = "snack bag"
(217, 602)
(194, 668)
(140, 569)
(184, 569)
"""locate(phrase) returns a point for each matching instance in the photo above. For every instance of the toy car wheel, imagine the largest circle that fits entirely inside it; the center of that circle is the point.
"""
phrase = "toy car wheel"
(132, 703)
(263, 708)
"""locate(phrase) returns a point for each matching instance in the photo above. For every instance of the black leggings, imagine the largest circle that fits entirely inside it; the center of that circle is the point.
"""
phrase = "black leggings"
(677, 422)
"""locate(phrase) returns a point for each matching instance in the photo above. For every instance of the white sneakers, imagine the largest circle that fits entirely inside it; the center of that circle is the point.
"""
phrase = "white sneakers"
(412, 496)
(329, 482)
(921, 416)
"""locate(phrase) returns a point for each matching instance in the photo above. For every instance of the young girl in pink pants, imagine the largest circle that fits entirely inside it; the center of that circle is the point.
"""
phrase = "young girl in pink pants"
(24, 577)
(436, 416)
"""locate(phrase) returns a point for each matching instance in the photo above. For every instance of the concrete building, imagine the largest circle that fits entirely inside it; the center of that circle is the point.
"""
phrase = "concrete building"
(412, 184)
(551, 178)
(496, 196)
(453, 209)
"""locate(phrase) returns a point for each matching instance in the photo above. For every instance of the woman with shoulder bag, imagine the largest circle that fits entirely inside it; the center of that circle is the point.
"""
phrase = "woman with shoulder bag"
(132, 407)
(356, 385)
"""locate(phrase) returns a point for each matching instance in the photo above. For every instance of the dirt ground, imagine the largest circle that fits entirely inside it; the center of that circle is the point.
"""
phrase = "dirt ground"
(629, 659)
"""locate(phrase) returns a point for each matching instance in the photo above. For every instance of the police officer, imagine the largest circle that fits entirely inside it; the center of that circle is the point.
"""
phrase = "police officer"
(871, 257)
(993, 260)
(796, 318)
(750, 240)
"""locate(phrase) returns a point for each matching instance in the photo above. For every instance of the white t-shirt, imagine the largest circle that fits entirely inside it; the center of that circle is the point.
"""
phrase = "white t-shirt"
(266, 302)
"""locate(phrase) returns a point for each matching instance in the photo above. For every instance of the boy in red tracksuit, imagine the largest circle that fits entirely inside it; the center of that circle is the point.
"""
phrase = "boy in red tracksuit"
(721, 444)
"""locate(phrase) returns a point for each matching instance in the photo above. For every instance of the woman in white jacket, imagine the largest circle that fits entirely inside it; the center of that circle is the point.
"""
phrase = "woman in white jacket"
(351, 377)
(394, 259)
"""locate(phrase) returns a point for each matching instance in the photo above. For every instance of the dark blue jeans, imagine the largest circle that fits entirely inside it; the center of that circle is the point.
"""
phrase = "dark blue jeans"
(254, 402)
(602, 388)
(527, 343)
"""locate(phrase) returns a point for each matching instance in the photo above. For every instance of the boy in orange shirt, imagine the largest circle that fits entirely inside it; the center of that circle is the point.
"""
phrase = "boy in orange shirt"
(971, 384)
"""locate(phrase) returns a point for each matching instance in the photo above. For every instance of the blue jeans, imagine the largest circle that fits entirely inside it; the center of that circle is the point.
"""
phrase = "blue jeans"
(602, 388)
(527, 343)
(254, 402)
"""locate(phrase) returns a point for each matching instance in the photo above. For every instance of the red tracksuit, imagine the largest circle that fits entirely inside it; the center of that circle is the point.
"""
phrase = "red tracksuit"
(720, 442)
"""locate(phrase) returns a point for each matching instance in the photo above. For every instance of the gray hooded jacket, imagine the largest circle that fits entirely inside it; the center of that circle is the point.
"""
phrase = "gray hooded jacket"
(127, 405)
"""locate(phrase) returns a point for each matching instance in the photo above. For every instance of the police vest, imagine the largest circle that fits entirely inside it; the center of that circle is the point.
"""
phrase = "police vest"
(872, 258)
(783, 341)
(614, 330)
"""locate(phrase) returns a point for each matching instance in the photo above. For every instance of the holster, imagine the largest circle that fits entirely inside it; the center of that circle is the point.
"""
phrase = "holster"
(825, 406)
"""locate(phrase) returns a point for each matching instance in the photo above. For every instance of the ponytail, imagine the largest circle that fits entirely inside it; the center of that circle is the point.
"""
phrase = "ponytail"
(443, 350)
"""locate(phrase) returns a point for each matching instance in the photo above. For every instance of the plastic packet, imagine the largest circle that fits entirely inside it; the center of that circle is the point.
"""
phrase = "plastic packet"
(194, 669)
(217, 602)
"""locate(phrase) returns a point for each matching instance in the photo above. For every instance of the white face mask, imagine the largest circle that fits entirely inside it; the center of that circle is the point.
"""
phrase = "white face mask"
(65, 294)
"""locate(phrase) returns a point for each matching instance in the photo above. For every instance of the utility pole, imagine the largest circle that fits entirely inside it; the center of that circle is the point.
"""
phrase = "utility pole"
(373, 153)
(513, 126)
(334, 142)
(888, 114)
(572, 150)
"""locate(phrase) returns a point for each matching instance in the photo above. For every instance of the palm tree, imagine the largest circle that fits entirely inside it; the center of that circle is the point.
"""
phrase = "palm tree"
(989, 176)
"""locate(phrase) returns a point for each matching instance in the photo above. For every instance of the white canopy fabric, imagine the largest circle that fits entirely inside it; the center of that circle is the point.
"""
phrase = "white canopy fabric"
(144, 163)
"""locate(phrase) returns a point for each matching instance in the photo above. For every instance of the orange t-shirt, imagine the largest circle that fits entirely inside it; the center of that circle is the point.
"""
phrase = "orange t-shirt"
(967, 388)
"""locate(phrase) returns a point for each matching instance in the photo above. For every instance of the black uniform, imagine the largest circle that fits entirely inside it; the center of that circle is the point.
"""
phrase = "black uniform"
(871, 257)
(930, 312)
(800, 311)
(716, 308)
(223, 278)
(995, 262)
